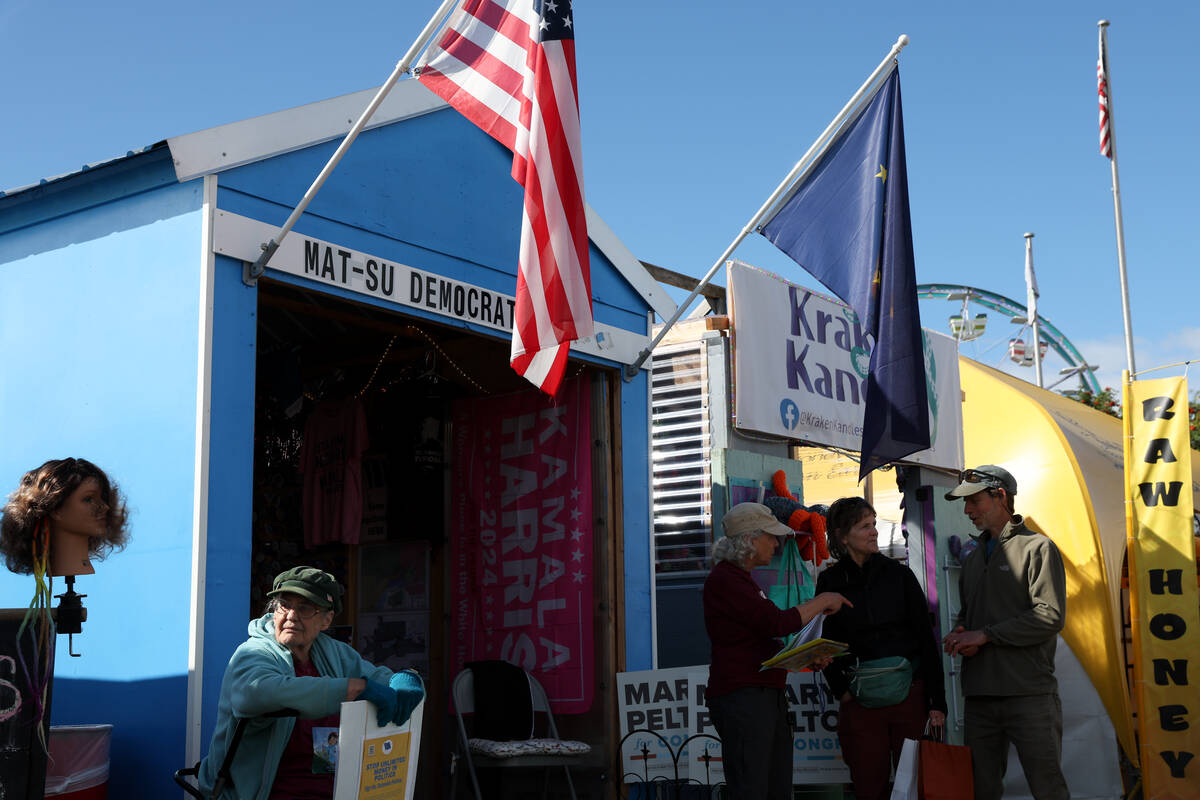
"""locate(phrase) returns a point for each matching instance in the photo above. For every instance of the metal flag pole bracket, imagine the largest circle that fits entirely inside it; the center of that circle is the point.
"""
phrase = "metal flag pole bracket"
(70, 614)
(806, 161)
(1184, 364)
(252, 272)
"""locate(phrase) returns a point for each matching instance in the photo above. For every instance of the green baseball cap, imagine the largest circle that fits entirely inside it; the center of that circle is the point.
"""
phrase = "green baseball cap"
(311, 583)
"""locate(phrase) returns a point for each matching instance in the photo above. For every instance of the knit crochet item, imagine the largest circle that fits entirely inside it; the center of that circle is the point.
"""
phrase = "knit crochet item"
(788, 510)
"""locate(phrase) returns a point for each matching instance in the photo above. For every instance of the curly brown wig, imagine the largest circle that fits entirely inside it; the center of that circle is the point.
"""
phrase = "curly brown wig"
(41, 492)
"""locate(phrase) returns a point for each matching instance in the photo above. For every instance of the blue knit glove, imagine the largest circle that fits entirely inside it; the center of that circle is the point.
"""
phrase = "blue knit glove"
(781, 507)
(409, 693)
(384, 700)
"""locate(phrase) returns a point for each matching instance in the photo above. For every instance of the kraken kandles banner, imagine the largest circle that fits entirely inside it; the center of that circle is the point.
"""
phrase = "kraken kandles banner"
(800, 364)
(1162, 569)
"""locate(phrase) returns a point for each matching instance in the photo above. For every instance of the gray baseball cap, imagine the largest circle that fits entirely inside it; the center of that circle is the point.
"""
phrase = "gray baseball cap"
(747, 517)
(989, 476)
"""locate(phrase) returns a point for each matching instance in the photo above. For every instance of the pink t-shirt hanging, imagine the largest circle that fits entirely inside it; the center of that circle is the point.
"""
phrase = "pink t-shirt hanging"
(335, 437)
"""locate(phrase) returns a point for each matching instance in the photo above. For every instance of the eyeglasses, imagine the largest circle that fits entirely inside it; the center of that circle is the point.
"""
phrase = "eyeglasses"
(975, 476)
(301, 609)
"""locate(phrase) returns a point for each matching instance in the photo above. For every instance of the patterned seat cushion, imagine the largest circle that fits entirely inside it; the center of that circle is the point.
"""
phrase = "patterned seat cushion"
(528, 747)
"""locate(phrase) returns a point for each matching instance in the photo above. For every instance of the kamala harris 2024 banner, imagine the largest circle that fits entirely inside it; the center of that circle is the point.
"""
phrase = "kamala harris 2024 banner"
(521, 527)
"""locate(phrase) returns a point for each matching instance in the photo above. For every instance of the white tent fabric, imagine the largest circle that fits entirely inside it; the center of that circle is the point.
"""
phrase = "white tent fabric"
(1090, 757)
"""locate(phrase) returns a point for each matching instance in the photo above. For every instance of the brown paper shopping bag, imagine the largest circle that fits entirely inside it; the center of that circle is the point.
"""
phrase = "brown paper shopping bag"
(945, 772)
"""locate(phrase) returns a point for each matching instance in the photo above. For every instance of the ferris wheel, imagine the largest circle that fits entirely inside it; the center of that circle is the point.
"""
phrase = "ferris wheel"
(965, 327)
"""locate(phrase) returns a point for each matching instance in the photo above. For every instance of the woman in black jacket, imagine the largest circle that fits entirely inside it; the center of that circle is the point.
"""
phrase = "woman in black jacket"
(889, 617)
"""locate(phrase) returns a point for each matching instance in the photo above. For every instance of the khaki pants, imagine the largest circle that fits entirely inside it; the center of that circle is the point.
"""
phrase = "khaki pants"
(1031, 723)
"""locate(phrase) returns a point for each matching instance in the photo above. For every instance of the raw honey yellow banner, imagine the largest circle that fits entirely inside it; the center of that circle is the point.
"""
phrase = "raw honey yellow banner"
(1163, 594)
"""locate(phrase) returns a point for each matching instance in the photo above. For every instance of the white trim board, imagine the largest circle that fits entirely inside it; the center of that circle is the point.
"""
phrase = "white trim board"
(193, 742)
(258, 138)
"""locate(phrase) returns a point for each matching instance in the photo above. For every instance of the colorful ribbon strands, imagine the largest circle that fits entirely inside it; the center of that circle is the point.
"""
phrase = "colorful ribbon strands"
(35, 658)
(1162, 582)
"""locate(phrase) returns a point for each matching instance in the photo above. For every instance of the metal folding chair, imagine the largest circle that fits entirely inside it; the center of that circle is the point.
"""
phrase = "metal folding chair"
(463, 691)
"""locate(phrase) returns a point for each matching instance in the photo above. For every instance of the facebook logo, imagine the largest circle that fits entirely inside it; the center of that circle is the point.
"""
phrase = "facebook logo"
(789, 412)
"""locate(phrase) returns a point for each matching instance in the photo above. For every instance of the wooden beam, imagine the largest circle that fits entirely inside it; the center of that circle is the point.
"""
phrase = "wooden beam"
(680, 281)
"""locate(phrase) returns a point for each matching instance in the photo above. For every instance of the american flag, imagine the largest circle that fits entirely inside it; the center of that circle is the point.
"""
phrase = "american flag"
(1102, 90)
(509, 67)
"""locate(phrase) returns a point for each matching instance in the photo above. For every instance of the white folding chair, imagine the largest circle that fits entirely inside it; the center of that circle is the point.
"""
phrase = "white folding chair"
(463, 691)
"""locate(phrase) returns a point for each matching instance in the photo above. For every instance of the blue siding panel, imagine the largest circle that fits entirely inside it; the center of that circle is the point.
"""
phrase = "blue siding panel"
(433, 192)
(434, 181)
(230, 478)
(635, 467)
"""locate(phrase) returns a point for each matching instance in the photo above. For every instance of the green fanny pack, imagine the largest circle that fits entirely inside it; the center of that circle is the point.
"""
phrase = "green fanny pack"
(881, 682)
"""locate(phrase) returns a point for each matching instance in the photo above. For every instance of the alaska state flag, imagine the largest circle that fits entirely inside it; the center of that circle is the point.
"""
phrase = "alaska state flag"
(847, 223)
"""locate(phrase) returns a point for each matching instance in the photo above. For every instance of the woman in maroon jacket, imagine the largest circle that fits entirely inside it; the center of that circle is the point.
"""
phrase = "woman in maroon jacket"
(746, 703)
(889, 617)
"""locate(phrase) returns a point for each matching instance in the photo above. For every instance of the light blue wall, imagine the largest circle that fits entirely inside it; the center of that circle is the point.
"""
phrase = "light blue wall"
(98, 345)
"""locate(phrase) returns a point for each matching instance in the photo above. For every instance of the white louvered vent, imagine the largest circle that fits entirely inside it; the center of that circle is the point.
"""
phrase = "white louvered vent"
(681, 454)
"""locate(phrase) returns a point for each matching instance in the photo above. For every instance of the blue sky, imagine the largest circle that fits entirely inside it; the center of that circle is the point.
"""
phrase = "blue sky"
(693, 111)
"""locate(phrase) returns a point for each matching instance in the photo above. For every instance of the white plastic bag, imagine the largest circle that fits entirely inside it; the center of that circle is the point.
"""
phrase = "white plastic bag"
(905, 787)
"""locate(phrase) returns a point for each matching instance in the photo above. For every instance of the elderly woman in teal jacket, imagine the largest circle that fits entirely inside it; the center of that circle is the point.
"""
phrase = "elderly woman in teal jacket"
(290, 663)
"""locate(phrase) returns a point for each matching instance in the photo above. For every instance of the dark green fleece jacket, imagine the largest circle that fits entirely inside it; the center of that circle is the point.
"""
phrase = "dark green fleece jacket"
(1018, 598)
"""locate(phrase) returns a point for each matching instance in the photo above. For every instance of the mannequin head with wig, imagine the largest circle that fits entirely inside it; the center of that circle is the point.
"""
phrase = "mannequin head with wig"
(68, 505)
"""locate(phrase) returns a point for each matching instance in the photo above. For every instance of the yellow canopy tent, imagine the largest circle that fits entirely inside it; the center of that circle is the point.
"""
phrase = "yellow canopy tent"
(1067, 459)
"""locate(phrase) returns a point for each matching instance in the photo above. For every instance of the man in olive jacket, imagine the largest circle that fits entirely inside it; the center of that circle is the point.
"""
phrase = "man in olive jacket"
(1014, 600)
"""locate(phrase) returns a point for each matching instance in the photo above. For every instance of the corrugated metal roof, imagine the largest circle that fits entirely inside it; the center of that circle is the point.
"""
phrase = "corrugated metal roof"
(81, 170)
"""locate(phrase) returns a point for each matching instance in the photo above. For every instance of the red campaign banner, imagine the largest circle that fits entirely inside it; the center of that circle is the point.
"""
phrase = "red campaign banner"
(521, 538)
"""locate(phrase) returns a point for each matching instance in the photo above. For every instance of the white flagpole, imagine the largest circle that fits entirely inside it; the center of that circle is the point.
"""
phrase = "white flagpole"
(260, 266)
(1116, 184)
(1032, 298)
(813, 153)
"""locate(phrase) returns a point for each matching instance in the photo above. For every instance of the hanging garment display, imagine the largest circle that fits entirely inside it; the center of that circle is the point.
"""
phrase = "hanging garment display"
(335, 437)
